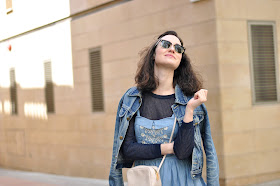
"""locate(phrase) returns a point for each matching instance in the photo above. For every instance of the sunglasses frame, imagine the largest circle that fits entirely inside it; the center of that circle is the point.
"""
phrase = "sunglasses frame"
(160, 40)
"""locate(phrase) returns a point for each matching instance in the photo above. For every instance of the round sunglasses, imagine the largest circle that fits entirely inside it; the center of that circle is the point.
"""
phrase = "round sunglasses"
(167, 44)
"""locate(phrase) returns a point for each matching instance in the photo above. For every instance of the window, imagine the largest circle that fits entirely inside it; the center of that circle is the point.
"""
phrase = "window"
(13, 92)
(263, 61)
(49, 90)
(9, 7)
(96, 80)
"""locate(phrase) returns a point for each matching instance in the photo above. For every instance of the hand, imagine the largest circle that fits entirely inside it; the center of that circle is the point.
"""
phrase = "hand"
(198, 98)
(167, 148)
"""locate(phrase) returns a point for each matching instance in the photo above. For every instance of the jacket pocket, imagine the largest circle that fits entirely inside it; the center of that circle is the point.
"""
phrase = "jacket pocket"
(197, 118)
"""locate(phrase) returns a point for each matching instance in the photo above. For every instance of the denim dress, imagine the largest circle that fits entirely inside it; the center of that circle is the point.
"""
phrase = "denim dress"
(173, 171)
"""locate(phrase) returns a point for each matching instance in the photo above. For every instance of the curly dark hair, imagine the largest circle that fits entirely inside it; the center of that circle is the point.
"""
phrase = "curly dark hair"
(184, 75)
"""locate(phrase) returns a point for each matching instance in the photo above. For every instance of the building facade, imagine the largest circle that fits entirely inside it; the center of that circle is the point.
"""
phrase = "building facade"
(65, 65)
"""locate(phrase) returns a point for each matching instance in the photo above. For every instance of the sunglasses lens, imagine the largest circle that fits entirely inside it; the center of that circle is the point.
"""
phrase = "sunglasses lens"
(165, 44)
(179, 49)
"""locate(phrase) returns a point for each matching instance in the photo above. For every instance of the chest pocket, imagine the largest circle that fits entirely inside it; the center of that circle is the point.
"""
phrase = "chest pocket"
(198, 118)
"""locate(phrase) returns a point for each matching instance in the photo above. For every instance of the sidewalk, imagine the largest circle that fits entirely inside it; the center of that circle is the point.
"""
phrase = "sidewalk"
(21, 178)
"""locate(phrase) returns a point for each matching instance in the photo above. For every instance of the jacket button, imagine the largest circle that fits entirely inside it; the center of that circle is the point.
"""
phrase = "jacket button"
(127, 118)
(139, 101)
(121, 137)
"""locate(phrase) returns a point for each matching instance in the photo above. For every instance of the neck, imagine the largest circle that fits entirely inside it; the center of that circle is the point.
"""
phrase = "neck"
(165, 79)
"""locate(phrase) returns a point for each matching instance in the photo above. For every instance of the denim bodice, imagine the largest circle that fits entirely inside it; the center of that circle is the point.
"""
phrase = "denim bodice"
(154, 131)
(128, 107)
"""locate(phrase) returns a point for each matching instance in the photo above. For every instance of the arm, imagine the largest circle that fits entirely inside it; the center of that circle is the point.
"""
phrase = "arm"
(184, 142)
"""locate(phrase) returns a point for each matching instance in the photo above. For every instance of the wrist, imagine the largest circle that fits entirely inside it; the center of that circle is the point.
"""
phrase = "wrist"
(166, 148)
(188, 115)
(189, 109)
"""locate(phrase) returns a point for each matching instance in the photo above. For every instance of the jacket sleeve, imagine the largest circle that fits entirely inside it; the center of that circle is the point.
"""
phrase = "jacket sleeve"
(210, 151)
(115, 176)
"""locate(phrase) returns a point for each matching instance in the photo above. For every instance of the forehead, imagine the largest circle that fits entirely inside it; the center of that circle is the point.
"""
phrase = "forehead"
(173, 39)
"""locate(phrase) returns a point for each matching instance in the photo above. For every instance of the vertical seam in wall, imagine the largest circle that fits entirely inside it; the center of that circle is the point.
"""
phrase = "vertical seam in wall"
(219, 91)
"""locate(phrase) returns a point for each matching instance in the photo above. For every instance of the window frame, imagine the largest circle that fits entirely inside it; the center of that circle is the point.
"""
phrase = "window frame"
(96, 49)
(13, 87)
(273, 24)
(49, 110)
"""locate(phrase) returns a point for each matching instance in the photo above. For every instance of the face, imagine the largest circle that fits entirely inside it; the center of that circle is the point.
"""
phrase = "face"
(168, 57)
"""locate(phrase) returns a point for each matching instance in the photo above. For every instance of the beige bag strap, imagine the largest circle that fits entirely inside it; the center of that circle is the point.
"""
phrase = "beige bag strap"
(169, 142)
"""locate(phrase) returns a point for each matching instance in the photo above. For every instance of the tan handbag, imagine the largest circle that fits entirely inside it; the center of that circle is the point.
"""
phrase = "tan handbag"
(143, 175)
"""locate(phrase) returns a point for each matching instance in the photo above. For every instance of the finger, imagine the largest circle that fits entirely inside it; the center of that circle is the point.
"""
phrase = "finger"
(204, 92)
(202, 96)
(196, 95)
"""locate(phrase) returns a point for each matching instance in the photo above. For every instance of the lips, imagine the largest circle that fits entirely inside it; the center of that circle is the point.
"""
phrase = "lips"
(169, 55)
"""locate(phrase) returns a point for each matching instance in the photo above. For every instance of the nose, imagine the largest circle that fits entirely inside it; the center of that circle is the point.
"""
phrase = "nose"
(171, 48)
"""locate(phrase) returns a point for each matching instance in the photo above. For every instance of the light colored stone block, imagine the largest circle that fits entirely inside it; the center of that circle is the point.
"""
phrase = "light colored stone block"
(94, 123)
(267, 116)
(202, 54)
(239, 120)
(112, 102)
(96, 139)
(267, 161)
(213, 103)
(267, 139)
(240, 165)
(125, 49)
(82, 91)
(231, 9)
(62, 123)
(65, 108)
(234, 75)
(233, 53)
(219, 143)
(232, 30)
(81, 75)
(120, 68)
(262, 10)
(80, 42)
(239, 143)
(118, 86)
(210, 75)
(63, 93)
(80, 58)
(236, 98)
(16, 142)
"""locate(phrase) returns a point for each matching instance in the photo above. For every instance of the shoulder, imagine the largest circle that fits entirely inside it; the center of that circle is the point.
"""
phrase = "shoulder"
(130, 96)
(133, 91)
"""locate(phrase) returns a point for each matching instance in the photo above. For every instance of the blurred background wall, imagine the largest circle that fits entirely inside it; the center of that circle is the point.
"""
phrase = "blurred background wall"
(64, 66)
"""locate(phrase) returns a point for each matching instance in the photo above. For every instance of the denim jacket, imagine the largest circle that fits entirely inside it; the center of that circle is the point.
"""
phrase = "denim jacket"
(129, 105)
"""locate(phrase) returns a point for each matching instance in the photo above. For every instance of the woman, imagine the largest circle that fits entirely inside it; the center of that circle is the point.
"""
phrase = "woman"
(167, 89)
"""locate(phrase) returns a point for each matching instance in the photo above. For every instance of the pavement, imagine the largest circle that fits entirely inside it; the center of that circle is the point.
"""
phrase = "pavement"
(22, 178)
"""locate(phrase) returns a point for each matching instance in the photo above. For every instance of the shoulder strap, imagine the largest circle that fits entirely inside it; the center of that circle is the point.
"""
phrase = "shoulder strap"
(169, 142)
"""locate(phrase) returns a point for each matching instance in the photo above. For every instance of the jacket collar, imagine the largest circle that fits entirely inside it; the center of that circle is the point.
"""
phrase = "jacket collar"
(180, 98)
